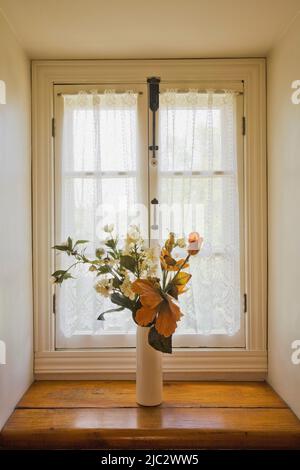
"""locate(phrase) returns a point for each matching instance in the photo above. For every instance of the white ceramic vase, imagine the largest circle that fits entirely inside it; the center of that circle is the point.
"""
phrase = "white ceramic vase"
(149, 379)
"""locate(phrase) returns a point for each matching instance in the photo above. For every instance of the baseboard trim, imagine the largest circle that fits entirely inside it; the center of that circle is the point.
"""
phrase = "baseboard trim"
(186, 364)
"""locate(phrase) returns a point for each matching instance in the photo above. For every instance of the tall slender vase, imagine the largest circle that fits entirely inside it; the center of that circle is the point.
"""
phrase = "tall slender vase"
(149, 379)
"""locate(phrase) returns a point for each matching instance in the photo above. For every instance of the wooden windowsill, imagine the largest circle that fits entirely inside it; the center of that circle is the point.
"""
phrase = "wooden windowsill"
(104, 415)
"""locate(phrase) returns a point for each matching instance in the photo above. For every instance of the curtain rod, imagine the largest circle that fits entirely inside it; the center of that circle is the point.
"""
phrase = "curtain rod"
(218, 92)
(101, 93)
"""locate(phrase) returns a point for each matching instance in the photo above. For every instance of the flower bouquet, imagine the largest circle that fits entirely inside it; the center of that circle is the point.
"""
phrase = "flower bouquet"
(130, 277)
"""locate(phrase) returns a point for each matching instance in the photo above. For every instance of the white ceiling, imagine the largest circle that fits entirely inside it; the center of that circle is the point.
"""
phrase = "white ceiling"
(148, 28)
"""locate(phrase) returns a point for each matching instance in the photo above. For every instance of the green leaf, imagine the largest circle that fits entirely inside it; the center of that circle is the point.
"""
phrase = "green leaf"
(86, 260)
(61, 247)
(81, 242)
(103, 270)
(160, 342)
(59, 272)
(101, 316)
(121, 300)
(111, 243)
(128, 262)
(62, 276)
(113, 254)
(70, 243)
(116, 282)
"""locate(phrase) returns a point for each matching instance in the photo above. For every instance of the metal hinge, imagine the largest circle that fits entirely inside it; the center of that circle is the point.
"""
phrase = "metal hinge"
(245, 303)
(244, 125)
(53, 127)
(54, 304)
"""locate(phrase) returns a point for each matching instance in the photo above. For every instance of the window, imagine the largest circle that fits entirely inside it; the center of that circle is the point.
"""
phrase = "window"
(203, 156)
(103, 174)
(201, 186)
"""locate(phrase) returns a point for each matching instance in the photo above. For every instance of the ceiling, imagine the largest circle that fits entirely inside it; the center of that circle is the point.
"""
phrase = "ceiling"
(65, 29)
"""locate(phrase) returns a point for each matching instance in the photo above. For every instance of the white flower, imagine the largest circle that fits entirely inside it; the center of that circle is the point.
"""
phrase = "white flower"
(149, 263)
(108, 228)
(133, 234)
(133, 238)
(150, 254)
(104, 287)
(150, 267)
(128, 247)
(126, 288)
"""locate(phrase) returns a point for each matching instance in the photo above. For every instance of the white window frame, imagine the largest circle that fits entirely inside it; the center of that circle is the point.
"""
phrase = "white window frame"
(189, 363)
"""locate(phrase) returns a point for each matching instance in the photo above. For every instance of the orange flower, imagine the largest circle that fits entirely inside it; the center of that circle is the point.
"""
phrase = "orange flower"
(195, 242)
(170, 243)
(170, 264)
(162, 308)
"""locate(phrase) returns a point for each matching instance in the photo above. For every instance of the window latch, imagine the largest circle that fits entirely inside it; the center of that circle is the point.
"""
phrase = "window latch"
(153, 85)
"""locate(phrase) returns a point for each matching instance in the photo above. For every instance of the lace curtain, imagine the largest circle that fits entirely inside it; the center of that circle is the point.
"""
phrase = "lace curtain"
(198, 177)
(97, 167)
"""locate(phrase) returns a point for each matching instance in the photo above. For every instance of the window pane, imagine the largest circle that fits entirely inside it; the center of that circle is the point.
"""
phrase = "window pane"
(98, 135)
(198, 191)
(101, 131)
(192, 132)
(205, 204)
(84, 199)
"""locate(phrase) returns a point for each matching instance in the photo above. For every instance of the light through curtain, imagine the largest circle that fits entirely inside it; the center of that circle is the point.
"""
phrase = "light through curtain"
(198, 179)
(98, 166)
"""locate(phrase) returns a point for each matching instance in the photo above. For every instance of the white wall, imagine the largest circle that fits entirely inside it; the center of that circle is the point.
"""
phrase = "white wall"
(284, 216)
(15, 223)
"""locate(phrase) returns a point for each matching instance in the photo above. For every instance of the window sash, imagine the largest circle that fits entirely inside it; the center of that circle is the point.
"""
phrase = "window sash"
(156, 173)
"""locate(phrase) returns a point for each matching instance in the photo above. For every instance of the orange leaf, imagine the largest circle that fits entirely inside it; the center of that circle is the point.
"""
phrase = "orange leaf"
(180, 281)
(174, 307)
(180, 265)
(182, 278)
(149, 294)
(166, 321)
(145, 315)
(181, 290)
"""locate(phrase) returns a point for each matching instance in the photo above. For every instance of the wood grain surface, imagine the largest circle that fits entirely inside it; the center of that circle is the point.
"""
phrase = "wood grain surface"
(197, 415)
